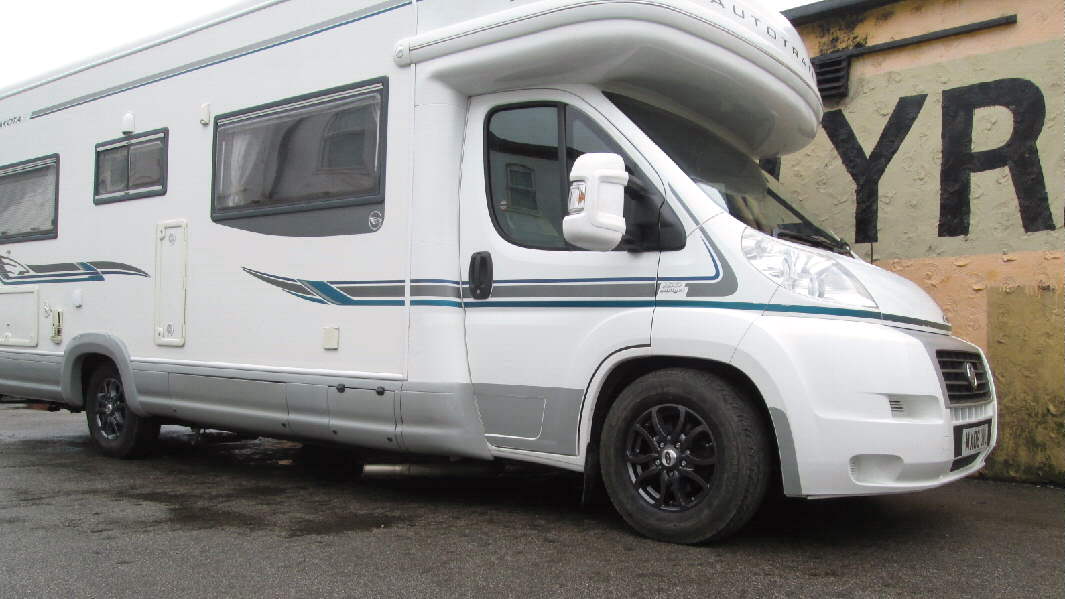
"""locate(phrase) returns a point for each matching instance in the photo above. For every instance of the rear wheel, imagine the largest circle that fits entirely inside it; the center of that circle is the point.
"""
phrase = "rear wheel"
(115, 430)
(685, 457)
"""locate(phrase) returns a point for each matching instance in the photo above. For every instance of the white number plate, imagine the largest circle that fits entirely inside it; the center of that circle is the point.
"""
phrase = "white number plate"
(975, 439)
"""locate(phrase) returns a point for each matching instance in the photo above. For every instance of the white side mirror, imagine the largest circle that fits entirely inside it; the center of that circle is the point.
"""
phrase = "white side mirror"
(596, 218)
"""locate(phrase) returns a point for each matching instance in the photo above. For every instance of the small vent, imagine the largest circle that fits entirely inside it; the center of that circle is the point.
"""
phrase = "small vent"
(898, 409)
(965, 376)
(833, 75)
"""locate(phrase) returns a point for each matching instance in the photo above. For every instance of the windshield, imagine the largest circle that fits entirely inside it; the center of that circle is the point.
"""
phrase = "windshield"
(727, 176)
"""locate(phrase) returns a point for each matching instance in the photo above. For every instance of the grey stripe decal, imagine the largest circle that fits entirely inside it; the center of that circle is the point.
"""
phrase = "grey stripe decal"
(226, 56)
(596, 290)
(727, 285)
(292, 286)
(51, 268)
(434, 290)
(372, 290)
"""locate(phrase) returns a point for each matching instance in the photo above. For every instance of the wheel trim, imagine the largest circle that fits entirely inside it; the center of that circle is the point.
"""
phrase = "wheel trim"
(110, 408)
(671, 457)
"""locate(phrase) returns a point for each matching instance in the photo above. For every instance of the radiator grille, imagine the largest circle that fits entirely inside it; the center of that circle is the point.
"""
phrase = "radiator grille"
(960, 370)
(962, 414)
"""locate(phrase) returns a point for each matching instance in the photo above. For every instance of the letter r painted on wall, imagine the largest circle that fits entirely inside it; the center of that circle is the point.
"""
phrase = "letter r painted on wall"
(1020, 96)
(1025, 101)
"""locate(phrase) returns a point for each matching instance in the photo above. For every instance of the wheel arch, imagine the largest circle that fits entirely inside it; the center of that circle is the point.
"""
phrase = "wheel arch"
(625, 371)
(87, 351)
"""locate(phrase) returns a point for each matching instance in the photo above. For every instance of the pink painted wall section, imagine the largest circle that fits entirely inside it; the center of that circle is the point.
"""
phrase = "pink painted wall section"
(945, 163)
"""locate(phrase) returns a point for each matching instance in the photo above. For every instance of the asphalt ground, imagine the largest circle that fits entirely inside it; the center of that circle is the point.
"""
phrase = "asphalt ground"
(249, 518)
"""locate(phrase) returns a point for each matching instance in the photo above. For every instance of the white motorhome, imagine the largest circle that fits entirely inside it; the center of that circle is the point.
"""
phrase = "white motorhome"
(493, 229)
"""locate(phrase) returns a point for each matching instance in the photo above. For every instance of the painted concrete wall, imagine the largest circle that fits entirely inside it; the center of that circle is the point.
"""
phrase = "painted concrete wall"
(945, 163)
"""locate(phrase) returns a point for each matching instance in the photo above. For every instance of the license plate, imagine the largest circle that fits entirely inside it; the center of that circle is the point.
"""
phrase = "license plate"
(971, 438)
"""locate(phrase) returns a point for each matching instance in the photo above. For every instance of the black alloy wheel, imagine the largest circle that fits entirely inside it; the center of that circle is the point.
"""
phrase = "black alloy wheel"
(110, 407)
(685, 456)
(672, 457)
(114, 428)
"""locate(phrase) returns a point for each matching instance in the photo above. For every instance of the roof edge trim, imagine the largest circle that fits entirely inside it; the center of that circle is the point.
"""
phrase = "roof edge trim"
(826, 9)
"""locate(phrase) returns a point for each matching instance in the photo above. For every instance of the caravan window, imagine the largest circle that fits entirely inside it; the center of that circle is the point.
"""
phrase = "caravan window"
(319, 151)
(131, 167)
(29, 199)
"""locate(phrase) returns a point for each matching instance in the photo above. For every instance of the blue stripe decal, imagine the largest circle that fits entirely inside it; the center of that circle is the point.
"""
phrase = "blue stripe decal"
(589, 280)
(309, 298)
(693, 279)
(710, 304)
(917, 321)
(824, 310)
(13, 272)
(562, 304)
(334, 296)
(328, 294)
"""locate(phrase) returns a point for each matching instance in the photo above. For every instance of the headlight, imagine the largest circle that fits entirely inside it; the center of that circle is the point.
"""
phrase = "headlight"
(805, 272)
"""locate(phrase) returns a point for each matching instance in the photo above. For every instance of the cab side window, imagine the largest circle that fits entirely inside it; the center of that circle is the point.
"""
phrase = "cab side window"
(528, 177)
(525, 174)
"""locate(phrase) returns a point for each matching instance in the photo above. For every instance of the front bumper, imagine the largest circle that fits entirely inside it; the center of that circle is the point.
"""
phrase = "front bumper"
(860, 408)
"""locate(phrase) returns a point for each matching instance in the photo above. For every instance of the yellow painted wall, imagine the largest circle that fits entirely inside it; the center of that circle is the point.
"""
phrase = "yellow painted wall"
(1000, 283)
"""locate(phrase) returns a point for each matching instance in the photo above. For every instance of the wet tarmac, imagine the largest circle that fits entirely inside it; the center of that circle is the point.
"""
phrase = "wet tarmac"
(226, 517)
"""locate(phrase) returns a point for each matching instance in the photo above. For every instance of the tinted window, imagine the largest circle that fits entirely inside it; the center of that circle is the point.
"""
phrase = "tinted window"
(315, 152)
(28, 199)
(131, 167)
(528, 177)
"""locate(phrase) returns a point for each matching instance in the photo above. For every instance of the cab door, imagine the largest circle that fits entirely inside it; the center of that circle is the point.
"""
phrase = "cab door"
(540, 313)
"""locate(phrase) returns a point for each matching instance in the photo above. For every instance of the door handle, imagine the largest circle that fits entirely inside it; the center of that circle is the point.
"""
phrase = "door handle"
(481, 275)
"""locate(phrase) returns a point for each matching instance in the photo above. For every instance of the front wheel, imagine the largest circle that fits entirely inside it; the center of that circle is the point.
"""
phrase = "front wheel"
(685, 456)
(115, 430)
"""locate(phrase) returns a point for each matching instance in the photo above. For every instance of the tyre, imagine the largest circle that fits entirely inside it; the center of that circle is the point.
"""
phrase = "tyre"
(115, 430)
(685, 456)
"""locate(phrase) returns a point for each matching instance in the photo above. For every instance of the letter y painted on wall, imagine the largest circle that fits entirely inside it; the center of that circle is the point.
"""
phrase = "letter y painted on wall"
(867, 170)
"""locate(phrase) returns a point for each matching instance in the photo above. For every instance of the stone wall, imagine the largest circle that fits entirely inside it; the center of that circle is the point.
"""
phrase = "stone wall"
(945, 163)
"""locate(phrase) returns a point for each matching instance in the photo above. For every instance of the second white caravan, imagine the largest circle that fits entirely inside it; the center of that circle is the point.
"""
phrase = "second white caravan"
(530, 230)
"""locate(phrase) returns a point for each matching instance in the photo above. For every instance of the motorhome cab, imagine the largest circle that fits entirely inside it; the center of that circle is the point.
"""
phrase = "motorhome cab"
(528, 230)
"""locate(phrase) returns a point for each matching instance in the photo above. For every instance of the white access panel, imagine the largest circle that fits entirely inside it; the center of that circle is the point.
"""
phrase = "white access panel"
(18, 317)
(171, 274)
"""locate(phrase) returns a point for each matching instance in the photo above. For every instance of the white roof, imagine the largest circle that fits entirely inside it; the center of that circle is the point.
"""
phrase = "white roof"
(175, 33)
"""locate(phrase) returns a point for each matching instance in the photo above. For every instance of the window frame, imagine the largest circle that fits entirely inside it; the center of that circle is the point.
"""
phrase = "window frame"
(560, 118)
(53, 233)
(378, 85)
(134, 194)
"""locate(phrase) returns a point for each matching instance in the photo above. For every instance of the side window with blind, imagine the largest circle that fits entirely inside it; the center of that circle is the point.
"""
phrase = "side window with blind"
(131, 167)
(320, 151)
(531, 149)
(29, 200)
